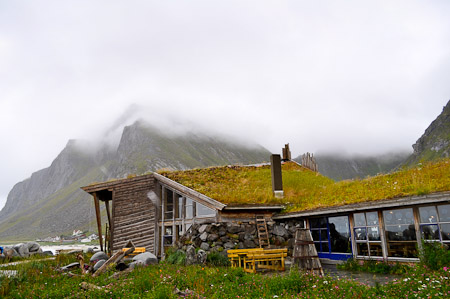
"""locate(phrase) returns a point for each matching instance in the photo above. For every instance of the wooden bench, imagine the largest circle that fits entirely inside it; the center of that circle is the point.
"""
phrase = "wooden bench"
(258, 258)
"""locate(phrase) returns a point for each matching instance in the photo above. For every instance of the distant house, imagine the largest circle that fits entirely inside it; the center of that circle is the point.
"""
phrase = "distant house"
(383, 217)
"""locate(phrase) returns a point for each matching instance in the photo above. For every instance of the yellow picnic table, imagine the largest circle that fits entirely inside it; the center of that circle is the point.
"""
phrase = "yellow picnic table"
(258, 258)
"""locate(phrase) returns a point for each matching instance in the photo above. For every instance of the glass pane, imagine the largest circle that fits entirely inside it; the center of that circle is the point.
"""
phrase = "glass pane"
(315, 234)
(373, 233)
(360, 219)
(372, 218)
(204, 211)
(401, 232)
(167, 240)
(360, 234)
(189, 209)
(323, 235)
(362, 249)
(168, 215)
(430, 232)
(180, 207)
(444, 213)
(402, 249)
(169, 200)
(428, 214)
(400, 216)
(339, 234)
(188, 226)
(325, 247)
(445, 231)
(168, 230)
(318, 223)
(375, 249)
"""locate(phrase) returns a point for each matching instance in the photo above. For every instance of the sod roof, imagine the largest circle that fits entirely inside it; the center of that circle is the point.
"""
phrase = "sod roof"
(305, 189)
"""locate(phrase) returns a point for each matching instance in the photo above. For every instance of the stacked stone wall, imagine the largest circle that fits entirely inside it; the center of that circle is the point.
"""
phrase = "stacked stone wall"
(220, 237)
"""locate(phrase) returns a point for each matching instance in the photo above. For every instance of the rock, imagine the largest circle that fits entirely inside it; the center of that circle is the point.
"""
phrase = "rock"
(233, 229)
(279, 241)
(241, 245)
(249, 244)
(47, 253)
(212, 237)
(33, 247)
(147, 257)
(22, 249)
(279, 231)
(204, 236)
(99, 264)
(88, 250)
(10, 252)
(135, 264)
(228, 245)
(190, 255)
(202, 228)
(70, 266)
(204, 246)
(201, 257)
(100, 255)
(222, 231)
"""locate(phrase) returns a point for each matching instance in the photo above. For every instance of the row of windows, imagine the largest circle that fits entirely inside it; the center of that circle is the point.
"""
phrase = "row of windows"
(332, 234)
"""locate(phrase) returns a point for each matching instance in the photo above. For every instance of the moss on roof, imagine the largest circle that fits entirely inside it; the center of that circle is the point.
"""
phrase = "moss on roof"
(305, 190)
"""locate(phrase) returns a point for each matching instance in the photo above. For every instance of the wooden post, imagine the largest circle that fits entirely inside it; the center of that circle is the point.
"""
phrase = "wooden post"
(110, 227)
(99, 220)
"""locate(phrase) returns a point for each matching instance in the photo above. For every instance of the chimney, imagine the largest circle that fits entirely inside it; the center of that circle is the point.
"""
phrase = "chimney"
(286, 153)
(277, 182)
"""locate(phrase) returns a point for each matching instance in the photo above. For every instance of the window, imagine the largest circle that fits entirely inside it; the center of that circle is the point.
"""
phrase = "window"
(168, 236)
(202, 211)
(435, 223)
(367, 234)
(168, 212)
(400, 233)
(319, 232)
(189, 208)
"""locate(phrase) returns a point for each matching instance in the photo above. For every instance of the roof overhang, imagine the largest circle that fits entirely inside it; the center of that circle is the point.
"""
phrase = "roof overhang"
(109, 185)
(188, 192)
(378, 204)
(253, 207)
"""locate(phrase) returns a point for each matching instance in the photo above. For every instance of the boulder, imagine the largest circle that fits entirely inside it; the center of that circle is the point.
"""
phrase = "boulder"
(212, 237)
(234, 228)
(10, 252)
(70, 266)
(22, 249)
(201, 257)
(147, 258)
(99, 264)
(33, 247)
(249, 244)
(228, 245)
(135, 264)
(100, 255)
(279, 230)
(204, 246)
(202, 228)
(190, 255)
(88, 250)
(204, 236)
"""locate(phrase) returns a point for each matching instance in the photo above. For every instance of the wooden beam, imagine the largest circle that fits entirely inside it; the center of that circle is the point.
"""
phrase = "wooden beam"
(110, 226)
(185, 191)
(99, 220)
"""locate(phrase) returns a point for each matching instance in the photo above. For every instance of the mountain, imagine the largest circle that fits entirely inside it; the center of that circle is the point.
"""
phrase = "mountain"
(435, 142)
(338, 167)
(50, 202)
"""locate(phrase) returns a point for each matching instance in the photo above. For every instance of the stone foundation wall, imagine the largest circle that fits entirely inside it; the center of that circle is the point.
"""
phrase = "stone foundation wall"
(219, 237)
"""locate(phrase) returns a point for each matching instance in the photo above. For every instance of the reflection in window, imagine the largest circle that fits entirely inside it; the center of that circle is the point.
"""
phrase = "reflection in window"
(202, 211)
(168, 212)
(400, 233)
(189, 208)
(319, 232)
(339, 234)
(435, 223)
(367, 234)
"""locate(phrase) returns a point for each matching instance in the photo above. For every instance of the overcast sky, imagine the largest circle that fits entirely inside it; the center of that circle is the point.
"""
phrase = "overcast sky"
(360, 77)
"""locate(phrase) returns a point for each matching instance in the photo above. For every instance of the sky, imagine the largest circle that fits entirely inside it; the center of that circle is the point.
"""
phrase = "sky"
(354, 77)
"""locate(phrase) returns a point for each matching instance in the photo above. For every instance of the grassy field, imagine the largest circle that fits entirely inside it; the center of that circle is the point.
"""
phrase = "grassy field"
(41, 279)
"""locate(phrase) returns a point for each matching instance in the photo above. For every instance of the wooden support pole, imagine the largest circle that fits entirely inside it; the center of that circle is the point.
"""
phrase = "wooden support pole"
(110, 227)
(99, 220)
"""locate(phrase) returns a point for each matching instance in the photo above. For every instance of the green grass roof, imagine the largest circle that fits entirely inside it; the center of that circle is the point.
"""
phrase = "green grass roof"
(305, 189)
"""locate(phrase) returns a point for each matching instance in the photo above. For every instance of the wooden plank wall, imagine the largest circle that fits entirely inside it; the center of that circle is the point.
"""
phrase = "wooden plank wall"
(134, 214)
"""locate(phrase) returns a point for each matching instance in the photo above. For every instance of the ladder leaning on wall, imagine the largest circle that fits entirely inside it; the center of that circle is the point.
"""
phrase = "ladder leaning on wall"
(263, 235)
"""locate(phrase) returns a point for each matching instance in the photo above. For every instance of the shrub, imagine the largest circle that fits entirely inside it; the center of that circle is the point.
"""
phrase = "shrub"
(434, 255)
(177, 257)
(216, 259)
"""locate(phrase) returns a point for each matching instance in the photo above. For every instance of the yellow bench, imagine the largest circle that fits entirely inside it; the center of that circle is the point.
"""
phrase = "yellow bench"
(258, 258)
(137, 250)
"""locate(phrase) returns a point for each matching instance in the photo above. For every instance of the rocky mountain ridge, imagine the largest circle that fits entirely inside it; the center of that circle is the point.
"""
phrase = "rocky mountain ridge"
(50, 202)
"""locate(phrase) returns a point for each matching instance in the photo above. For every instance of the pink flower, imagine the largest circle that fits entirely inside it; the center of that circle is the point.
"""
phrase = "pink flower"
(445, 268)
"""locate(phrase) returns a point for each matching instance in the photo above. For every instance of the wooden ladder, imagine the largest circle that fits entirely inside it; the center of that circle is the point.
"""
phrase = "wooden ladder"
(263, 235)
(305, 253)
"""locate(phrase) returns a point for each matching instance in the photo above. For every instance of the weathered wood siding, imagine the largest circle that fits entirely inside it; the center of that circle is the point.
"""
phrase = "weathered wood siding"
(134, 214)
